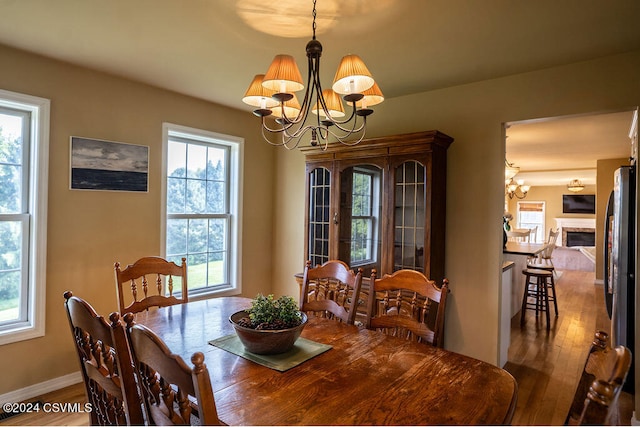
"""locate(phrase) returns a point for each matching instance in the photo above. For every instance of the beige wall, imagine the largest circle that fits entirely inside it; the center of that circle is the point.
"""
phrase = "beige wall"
(89, 230)
(605, 172)
(473, 114)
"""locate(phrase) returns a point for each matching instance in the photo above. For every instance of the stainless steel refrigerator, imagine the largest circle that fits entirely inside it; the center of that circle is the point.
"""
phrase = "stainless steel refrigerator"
(619, 259)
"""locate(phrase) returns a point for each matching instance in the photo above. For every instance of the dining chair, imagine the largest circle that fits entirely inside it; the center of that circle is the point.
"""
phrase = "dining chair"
(172, 392)
(407, 304)
(152, 280)
(105, 363)
(331, 290)
(603, 376)
(543, 260)
(519, 235)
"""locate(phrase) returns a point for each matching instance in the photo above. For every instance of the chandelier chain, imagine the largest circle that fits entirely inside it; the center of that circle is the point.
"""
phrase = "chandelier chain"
(314, 19)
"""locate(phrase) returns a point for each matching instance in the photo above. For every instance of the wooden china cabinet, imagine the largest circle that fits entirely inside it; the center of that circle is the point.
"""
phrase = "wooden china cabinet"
(379, 204)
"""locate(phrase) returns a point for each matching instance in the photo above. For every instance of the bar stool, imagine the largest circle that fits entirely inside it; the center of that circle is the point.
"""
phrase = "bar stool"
(551, 284)
(536, 286)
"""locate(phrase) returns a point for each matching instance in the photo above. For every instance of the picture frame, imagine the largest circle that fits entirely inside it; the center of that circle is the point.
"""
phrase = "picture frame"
(108, 166)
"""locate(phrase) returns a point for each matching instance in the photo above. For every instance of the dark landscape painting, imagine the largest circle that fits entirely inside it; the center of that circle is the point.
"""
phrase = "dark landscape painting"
(106, 165)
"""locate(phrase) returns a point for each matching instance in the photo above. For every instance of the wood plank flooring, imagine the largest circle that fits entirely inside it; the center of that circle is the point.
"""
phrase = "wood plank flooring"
(546, 365)
(71, 394)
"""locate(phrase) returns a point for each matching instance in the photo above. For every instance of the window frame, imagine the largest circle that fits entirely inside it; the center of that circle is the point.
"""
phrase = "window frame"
(371, 219)
(234, 202)
(540, 232)
(34, 206)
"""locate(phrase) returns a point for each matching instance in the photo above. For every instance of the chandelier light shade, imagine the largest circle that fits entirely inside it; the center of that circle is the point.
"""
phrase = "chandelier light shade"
(283, 75)
(281, 113)
(291, 108)
(259, 96)
(372, 96)
(352, 76)
(333, 104)
(575, 185)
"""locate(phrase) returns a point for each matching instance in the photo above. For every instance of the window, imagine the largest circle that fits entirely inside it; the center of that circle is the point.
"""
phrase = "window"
(24, 152)
(203, 193)
(363, 227)
(531, 215)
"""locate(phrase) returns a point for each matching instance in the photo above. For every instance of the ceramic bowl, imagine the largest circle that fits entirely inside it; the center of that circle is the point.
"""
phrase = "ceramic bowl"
(265, 341)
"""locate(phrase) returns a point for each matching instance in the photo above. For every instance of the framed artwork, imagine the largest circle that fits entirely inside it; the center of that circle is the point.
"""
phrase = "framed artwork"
(107, 165)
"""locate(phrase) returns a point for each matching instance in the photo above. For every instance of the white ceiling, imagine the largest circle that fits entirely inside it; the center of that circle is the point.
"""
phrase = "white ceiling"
(210, 49)
(556, 150)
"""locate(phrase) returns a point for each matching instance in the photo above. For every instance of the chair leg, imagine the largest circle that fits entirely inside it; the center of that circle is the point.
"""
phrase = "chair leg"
(552, 285)
(524, 299)
(543, 283)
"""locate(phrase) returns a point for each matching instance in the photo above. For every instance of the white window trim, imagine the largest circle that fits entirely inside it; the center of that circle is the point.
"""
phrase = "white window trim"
(39, 180)
(236, 144)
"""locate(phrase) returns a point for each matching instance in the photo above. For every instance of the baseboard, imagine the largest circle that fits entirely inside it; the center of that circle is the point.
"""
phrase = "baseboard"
(41, 388)
(598, 282)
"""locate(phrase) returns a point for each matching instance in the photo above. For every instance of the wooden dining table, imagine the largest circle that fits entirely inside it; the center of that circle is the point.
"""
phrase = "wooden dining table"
(366, 378)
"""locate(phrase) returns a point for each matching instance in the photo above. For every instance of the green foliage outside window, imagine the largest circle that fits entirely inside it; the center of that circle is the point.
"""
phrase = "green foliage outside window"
(10, 231)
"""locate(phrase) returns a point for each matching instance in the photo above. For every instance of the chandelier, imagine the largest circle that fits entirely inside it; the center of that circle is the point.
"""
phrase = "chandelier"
(575, 185)
(514, 188)
(274, 95)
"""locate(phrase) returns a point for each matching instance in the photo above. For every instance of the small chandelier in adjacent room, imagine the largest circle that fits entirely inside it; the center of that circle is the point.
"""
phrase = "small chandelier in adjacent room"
(273, 95)
(575, 185)
(514, 188)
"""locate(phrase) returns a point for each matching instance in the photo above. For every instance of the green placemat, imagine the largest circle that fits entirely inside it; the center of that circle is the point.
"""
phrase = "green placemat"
(302, 351)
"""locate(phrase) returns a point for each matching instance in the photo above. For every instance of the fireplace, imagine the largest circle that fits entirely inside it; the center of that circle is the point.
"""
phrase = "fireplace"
(578, 237)
(576, 231)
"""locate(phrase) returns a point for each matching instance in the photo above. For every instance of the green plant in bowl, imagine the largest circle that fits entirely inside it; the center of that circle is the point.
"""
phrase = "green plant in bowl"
(270, 326)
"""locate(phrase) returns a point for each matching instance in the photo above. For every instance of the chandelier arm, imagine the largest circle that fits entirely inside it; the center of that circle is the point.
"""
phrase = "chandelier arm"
(323, 103)
(296, 136)
(277, 144)
(273, 130)
(314, 69)
(353, 129)
(303, 114)
(286, 137)
(342, 138)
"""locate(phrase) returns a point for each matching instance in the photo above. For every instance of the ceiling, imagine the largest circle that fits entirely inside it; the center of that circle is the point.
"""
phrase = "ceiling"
(211, 49)
(556, 150)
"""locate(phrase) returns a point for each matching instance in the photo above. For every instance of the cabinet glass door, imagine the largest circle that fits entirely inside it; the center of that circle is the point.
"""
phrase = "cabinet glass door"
(409, 216)
(360, 225)
(319, 215)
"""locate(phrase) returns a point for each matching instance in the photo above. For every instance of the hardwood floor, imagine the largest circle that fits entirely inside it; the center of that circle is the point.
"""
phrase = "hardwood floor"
(548, 364)
(71, 394)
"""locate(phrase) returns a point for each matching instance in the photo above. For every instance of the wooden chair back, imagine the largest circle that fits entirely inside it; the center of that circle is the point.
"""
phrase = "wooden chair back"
(602, 378)
(168, 385)
(151, 284)
(105, 363)
(551, 244)
(407, 304)
(519, 235)
(331, 290)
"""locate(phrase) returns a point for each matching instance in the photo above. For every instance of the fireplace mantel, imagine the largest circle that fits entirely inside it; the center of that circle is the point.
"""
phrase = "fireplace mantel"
(574, 223)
